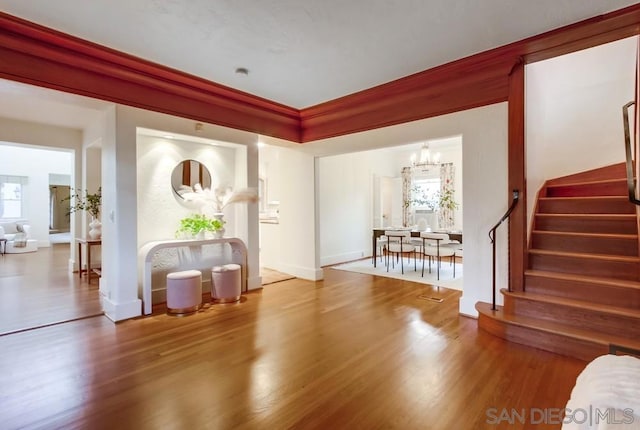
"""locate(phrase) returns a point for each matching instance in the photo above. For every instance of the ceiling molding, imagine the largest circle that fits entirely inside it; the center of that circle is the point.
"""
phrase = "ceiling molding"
(473, 81)
(41, 56)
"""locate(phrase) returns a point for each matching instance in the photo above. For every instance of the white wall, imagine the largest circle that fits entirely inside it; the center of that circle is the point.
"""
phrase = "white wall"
(290, 245)
(159, 210)
(574, 111)
(485, 186)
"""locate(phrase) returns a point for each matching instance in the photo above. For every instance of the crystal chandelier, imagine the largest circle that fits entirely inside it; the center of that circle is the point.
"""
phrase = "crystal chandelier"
(424, 161)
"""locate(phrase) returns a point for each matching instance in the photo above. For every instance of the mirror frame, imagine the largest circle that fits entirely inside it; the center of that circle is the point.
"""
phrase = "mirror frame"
(188, 173)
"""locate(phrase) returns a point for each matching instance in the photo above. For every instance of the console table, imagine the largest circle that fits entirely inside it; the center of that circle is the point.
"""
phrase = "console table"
(147, 251)
(89, 244)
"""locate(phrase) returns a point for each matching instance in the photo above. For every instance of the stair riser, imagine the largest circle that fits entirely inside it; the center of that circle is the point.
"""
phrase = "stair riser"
(586, 244)
(614, 171)
(580, 225)
(586, 206)
(585, 266)
(576, 317)
(618, 188)
(578, 348)
(586, 291)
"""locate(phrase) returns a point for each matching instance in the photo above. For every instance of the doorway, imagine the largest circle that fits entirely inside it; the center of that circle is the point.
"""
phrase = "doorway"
(272, 190)
(59, 209)
(36, 287)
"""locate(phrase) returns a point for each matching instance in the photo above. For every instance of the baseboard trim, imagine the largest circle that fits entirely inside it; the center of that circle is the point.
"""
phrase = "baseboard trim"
(121, 311)
(308, 273)
(467, 307)
(341, 258)
(254, 283)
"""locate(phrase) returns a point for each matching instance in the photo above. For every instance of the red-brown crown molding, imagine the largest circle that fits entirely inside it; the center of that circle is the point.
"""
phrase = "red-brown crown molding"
(41, 56)
(45, 57)
(473, 81)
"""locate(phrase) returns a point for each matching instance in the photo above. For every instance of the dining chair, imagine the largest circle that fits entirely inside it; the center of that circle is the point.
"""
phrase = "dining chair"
(458, 253)
(398, 244)
(381, 244)
(432, 248)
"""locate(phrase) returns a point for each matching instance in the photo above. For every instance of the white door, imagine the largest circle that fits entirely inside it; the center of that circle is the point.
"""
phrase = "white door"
(376, 202)
(390, 202)
(396, 202)
(386, 191)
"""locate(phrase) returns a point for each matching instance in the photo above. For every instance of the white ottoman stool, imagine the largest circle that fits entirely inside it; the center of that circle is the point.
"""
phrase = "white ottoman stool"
(226, 283)
(184, 292)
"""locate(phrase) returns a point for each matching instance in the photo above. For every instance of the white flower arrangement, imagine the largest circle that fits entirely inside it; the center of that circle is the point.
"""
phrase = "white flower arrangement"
(219, 198)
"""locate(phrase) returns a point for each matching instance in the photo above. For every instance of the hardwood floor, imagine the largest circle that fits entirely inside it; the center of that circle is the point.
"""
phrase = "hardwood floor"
(352, 351)
(36, 289)
(270, 276)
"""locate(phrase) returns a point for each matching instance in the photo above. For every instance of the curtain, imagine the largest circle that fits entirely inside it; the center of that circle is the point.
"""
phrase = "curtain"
(447, 192)
(53, 198)
(407, 210)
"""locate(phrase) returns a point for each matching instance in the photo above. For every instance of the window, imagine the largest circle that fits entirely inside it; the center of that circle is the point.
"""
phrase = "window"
(12, 196)
(425, 194)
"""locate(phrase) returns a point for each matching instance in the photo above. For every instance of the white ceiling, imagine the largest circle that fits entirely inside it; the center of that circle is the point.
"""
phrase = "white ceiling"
(304, 52)
(35, 104)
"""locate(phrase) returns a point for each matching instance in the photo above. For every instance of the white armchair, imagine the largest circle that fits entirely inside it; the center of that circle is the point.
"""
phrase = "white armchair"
(17, 230)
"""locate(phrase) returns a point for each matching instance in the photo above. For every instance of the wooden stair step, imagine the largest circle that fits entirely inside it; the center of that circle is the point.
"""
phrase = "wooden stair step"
(586, 205)
(613, 171)
(575, 313)
(602, 243)
(607, 291)
(601, 265)
(607, 187)
(580, 343)
(595, 223)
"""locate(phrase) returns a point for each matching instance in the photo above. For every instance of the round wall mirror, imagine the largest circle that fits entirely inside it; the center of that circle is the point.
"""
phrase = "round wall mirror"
(187, 174)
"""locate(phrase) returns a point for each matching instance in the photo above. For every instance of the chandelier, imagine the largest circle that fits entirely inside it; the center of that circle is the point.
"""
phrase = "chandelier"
(423, 159)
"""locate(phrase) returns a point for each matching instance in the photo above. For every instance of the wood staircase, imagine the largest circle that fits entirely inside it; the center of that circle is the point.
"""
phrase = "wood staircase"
(581, 290)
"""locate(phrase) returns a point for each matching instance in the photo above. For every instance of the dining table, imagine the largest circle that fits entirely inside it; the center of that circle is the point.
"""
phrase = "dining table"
(377, 232)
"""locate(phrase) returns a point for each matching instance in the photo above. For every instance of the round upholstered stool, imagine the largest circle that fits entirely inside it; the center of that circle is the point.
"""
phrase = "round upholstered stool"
(184, 292)
(226, 285)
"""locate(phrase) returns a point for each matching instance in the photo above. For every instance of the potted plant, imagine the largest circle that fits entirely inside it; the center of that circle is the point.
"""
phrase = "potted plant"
(87, 202)
(447, 201)
(90, 203)
(196, 225)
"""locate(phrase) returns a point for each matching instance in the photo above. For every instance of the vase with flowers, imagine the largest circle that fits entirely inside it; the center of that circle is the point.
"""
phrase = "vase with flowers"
(91, 203)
